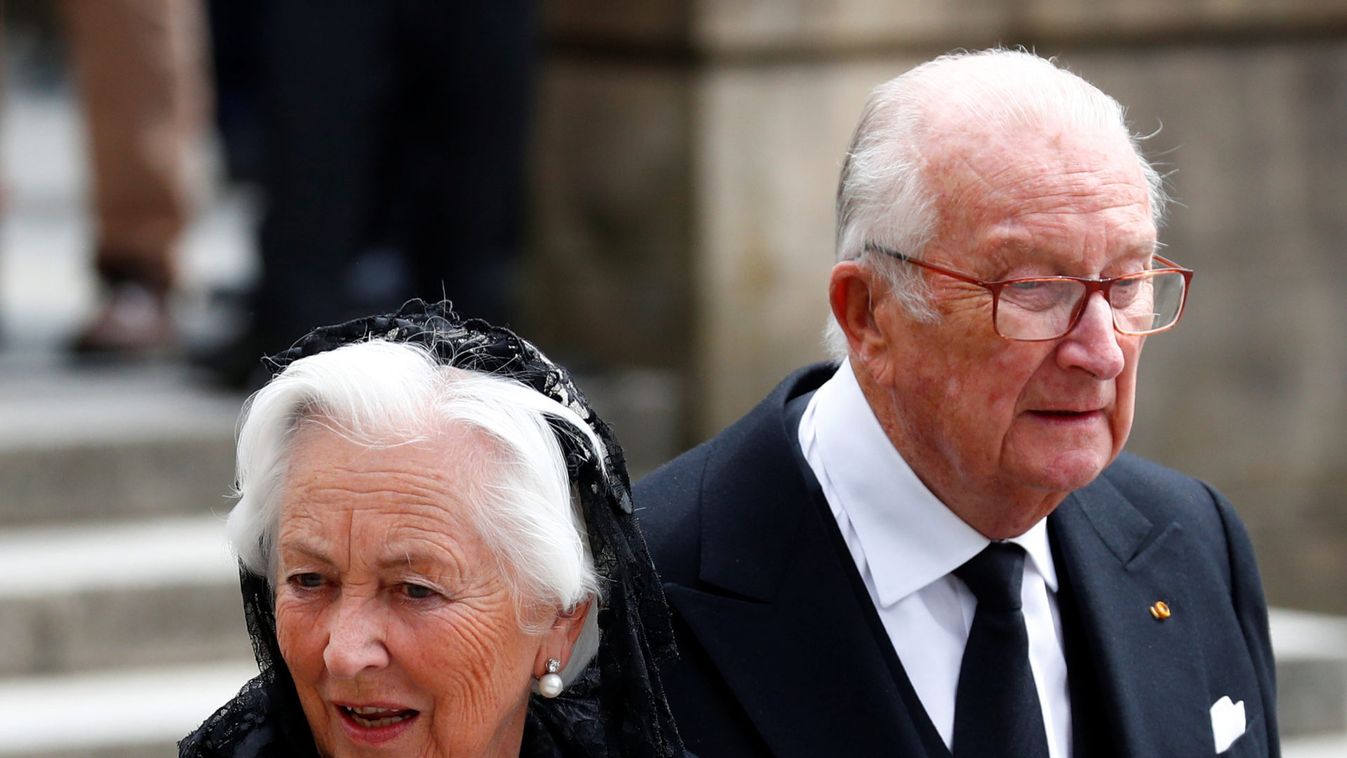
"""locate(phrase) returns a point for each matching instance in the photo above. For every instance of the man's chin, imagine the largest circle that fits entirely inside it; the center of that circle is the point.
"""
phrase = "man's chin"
(1065, 472)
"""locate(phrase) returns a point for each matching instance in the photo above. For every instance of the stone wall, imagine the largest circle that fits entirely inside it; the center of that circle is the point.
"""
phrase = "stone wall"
(1251, 392)
(687, 156)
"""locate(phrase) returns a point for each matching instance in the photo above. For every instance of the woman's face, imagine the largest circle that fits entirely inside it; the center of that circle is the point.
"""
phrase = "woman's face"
(393, 616)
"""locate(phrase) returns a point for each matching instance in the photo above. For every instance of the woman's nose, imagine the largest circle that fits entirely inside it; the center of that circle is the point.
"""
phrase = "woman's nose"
(355, 643)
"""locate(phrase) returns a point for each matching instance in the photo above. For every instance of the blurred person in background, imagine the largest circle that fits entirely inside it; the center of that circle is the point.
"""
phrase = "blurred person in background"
(438, 556)
(141, 72)
(933, 544)
(389, 141)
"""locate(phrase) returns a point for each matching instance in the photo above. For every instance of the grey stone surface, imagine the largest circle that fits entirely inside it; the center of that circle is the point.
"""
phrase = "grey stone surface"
(643, 407)
(1311, 652)
(1158, 18)
(815, 29)
(1312, 697)
(150, 626)
(772, 141)
(110, 443)
(146, 750)
(135, 478)
(654, 24)
(806, 27)
(609, 281)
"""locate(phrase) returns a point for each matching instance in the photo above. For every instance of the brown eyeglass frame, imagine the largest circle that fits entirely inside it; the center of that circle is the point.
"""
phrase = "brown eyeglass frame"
(1092, 286)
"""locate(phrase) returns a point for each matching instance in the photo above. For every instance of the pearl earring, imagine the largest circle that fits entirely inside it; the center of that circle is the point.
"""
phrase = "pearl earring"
(550, 684)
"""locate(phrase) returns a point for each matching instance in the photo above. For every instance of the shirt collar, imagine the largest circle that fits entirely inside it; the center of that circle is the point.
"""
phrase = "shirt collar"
(910, 538)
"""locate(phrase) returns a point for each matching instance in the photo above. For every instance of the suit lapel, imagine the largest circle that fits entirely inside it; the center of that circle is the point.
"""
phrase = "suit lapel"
(810, 680)
(1149, 672)
(777, 610)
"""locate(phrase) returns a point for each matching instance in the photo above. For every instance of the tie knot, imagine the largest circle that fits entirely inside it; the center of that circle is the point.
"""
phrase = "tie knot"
(995, 575)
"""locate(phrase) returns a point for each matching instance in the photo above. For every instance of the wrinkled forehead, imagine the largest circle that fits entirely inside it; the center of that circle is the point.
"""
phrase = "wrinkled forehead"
(411, 490)
(447, 463)
(972, 162)
(986, 179)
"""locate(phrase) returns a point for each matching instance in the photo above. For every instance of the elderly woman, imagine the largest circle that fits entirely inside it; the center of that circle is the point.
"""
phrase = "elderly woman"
(438, 556)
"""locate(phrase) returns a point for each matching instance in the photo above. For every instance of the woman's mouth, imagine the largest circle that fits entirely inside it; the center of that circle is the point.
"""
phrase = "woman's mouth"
(373, 718)
(375, 723)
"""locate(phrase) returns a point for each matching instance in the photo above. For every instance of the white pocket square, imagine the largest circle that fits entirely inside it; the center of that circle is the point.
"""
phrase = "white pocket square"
(1227, 722)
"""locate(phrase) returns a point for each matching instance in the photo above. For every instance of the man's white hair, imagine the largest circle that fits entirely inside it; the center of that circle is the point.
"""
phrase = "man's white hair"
(385, 394)
(882, 196)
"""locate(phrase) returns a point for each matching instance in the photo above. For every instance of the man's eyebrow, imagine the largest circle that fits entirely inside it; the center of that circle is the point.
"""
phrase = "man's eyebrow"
(1139, 254)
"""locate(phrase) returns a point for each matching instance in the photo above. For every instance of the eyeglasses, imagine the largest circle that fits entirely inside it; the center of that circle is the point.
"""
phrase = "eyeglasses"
(1048, 307)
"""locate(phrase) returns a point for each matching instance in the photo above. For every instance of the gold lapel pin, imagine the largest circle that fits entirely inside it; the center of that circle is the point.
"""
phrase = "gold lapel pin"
(1160, 610)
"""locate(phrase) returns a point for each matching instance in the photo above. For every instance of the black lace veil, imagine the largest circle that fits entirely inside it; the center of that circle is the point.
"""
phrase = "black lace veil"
(616, 707)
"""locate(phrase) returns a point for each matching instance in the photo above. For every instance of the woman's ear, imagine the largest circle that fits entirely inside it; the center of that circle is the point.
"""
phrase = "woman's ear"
(559, 639)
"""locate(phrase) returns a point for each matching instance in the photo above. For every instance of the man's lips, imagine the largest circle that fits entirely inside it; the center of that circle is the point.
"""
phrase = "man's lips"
(1066, 414)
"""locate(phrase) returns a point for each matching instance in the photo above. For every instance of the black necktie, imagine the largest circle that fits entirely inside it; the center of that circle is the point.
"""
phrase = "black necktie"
(996, 710)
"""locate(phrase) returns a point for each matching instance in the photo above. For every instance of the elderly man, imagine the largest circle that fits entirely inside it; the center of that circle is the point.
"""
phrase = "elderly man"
(934, 546)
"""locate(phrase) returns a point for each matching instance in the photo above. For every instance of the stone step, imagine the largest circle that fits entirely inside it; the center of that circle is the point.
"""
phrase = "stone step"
(110, 443)
(77, 598)
(113, 714)
(1328, 746)
(1311, 652)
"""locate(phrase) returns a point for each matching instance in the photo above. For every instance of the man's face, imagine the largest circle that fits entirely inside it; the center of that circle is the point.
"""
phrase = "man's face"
(1003, 430)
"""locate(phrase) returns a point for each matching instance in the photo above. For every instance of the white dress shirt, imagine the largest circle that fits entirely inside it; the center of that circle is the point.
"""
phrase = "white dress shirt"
(906, 543)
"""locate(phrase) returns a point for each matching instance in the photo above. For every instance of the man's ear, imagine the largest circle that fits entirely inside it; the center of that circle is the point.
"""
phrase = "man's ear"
(559, 639)
(852, 295)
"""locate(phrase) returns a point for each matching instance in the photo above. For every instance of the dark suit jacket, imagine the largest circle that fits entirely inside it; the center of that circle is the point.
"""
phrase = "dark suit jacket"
(782, 652)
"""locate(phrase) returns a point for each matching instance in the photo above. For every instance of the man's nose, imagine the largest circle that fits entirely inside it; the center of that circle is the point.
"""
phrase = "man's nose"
(1092, 344)
(355, 641)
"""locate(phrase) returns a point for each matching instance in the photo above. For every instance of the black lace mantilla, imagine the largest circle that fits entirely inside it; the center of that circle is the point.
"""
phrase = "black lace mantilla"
(617, 706)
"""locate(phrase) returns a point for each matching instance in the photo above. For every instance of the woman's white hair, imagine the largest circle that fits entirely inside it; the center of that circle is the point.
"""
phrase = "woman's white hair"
(382, 394)
(882, 195)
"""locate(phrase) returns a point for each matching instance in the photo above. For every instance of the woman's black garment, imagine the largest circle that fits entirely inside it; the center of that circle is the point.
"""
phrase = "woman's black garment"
(617, 707)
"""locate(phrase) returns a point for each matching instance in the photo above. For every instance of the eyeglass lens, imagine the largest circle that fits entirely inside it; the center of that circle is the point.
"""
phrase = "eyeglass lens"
(1046, 308)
